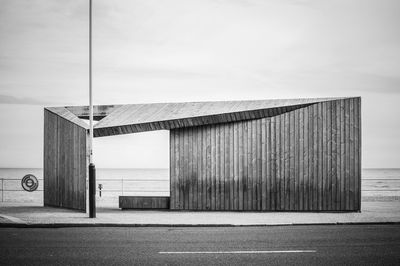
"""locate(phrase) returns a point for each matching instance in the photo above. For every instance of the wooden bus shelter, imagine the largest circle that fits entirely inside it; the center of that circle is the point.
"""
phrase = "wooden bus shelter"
(264, 155)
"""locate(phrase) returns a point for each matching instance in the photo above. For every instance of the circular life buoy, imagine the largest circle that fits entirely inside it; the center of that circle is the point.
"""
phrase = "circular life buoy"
(29, 183)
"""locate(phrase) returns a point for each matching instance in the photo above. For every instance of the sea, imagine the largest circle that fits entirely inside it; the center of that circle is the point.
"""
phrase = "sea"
(377, 184)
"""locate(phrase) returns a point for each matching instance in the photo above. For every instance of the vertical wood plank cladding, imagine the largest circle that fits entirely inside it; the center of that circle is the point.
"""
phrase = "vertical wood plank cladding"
(217, 168)
(272, 163)
(64, 164)
(351, 156)
(182, 169)
(315, 158)
(204, 167)
(240, 165)
(334, 156)
(259, 165)
(222, 167)
(194, 173)
(249, 167)
(192, 177)
(300, 159)
(319, 129)
(245, 166)
(232, 167)
(175, 180)
(310, 148)
(291, 190)
(213, 168)
(358, 146)
(278, 156)
(254, 163)
(227, 167)
(306, 177)
(264, 171)
(347, 152)
(304, 160)
(236, 148)
(172, 169)
(329, 180)
(342, 158)
(324, 179)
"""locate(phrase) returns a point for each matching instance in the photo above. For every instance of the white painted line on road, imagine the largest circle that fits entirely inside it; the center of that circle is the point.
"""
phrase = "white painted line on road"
(238, 252)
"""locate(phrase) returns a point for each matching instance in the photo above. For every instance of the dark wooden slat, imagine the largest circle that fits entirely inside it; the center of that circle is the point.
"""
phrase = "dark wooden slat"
(204, 166)
(358, 162)
(334, 156)
(245, 165)
(227, 167)
(172, 168)
(213, 170)
(236, 166)
(274, 183)
(324, 147)
(315, 158)
(319, 129)
(351, 156)
(300, 158)
(278, 173)
(250, 179)
(208, 166)
(264, 160)
(254, 163)
(342, 158)
(329, 156)
(259, 165)
(195, 171)
(306, 161)
(217, 168)
(222, 166)
(347, 154)
(291, 189)
(190, 177)
(183, 170)
(240, 165)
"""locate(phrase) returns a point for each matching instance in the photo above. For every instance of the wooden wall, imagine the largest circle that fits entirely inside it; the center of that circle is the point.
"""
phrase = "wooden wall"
(64, 169)
(308, 159)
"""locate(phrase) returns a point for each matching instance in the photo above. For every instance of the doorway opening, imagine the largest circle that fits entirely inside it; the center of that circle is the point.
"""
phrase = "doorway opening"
(131, 165)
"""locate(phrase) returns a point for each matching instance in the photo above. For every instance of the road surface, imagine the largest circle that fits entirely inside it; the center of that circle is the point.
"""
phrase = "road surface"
(278, 245)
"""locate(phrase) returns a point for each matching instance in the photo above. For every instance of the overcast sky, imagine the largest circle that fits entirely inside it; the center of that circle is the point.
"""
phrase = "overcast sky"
(194, 50)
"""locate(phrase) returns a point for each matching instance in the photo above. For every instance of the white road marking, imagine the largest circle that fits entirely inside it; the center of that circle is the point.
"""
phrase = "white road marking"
(238, 252)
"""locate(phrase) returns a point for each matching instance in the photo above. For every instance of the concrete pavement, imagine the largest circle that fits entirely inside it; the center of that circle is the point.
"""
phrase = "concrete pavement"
(38, 216)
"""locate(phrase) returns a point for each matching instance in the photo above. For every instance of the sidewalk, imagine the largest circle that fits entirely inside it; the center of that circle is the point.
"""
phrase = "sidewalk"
(38, 216)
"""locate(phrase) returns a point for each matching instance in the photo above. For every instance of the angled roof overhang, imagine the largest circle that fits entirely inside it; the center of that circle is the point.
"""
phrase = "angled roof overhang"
(133, 118)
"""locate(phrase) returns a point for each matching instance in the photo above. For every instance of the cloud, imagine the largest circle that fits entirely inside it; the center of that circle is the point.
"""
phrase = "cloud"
(7, 99)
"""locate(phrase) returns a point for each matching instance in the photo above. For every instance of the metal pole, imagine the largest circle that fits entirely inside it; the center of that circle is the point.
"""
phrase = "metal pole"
(92, 168)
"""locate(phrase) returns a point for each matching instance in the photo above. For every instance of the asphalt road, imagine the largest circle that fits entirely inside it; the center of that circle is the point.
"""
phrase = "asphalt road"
(317, 245)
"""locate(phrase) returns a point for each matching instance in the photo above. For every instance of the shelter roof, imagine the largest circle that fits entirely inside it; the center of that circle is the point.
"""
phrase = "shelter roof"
(132, 118)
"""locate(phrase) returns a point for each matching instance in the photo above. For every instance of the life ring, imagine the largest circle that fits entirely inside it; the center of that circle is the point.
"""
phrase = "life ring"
(29, 183)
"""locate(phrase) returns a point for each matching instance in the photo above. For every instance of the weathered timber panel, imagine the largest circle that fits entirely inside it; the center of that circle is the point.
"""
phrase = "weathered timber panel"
(303, 160)
(64, 167)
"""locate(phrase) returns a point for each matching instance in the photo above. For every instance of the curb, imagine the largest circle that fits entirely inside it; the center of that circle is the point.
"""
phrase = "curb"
(70, 225)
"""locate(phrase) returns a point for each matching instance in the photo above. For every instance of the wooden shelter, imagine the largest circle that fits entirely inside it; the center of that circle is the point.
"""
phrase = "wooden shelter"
(266, 155)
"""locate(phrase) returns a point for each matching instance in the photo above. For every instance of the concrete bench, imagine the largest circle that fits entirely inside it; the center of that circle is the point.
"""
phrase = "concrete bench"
(143, 202)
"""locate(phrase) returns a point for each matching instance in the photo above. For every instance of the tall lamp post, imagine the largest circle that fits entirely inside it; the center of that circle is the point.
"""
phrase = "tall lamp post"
(92, 168)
